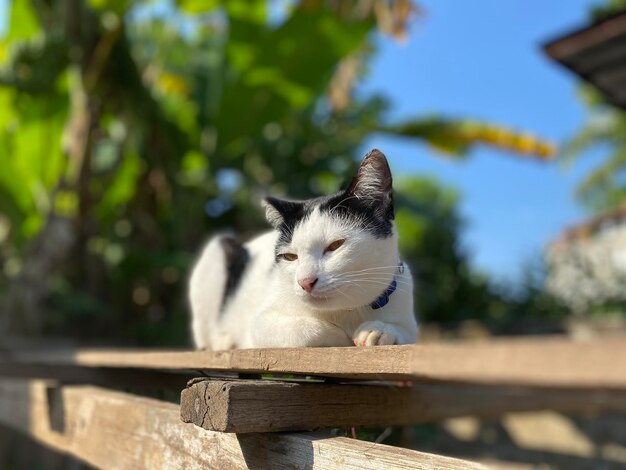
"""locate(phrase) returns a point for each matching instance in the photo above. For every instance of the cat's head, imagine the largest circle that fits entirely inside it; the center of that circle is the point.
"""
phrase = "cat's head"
(339, 251)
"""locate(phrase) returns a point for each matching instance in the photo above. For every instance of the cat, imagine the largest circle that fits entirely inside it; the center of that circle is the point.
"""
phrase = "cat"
(329, 274)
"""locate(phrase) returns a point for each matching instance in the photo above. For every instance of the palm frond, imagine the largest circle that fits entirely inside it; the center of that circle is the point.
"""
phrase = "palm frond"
(603, 177)
(601, 128)
(456, 136)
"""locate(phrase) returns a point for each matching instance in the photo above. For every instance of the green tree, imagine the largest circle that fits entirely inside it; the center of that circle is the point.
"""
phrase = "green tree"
(131, 130)
(430, 226)
(604, 187)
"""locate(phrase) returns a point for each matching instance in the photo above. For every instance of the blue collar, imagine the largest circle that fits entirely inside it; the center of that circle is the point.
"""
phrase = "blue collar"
(383, 299)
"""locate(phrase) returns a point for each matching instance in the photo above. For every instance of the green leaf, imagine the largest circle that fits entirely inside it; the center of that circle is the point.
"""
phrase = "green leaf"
(197, 6)
(443, 135)
(117, 6)
(600, 187)
(411, 228)
(23, 21)
(600, 128)
(35, 65)
(23, 24)
(31, 160)
(297, 95)
(273, 72)
(455, 137)
(254, 11)
(122, 189)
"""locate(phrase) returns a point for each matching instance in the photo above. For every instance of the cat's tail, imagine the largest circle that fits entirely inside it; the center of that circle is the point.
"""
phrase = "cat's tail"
(213, 279)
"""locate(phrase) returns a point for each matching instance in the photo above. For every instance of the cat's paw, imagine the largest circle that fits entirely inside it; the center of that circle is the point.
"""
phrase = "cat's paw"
(374, 333)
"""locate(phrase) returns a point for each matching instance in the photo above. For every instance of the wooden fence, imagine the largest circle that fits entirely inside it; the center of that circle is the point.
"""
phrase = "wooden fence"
(255, 408)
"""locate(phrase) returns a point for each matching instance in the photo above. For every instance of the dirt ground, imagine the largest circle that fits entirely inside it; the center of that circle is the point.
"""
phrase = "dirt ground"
(537, 440)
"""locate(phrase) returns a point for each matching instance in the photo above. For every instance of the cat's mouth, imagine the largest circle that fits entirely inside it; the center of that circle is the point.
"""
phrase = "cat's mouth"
(317, 298)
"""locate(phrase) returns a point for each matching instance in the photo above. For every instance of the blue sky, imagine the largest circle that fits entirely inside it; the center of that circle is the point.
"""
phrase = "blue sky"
(483, 59)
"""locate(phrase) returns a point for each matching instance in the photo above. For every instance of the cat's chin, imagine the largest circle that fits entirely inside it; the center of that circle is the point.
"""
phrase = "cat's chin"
(317, 300)
(324, 302)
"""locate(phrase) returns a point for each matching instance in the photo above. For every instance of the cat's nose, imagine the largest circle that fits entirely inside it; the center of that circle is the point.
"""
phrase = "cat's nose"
(307, 283)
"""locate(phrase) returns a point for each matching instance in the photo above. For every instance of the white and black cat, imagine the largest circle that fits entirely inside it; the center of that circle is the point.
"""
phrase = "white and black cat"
(329, 274)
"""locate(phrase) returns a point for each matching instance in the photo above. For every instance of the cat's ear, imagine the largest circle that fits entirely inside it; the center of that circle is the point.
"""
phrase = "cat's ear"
(373, 181)
(279, 210)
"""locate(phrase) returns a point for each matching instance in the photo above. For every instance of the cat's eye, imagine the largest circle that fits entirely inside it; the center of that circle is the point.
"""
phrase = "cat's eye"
(289, 256)
(334, 245)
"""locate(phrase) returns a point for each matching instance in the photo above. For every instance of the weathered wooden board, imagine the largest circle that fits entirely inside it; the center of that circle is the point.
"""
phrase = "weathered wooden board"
(270, 406)
(539, 361)
(120, 377)
(116, 430)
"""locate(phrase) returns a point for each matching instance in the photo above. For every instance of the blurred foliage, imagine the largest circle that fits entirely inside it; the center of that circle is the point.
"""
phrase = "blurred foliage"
(129, 131)
(448, 290)
(584, 272)
(430, 227)
(456, 137)
(607, 9)
(604, 187)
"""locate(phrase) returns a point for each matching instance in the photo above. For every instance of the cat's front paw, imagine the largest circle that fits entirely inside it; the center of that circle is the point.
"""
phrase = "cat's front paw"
(374, 333)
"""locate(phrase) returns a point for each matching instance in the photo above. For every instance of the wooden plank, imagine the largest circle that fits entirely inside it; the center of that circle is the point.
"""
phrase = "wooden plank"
(555, 362)
(117, 430)
(270, 406)
(142, 379)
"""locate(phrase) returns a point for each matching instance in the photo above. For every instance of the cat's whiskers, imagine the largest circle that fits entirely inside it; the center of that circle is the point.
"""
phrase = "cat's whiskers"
(373, 281)
(398, 289)
(344, 294)
(359, 279)
(379, 276)
(382, 272)
(377, 281)
(372, 269)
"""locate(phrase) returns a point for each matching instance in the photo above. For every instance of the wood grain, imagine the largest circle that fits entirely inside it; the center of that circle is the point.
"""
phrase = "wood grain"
(117, 430)
(269, 406)
(548, 361)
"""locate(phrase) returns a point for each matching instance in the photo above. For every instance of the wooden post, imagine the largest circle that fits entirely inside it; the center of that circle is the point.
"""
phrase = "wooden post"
(265, 406)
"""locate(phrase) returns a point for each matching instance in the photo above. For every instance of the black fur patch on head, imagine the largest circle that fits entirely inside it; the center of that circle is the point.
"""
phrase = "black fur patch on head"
(373, 218)
(288, 225)
(237, 258)
(284, 215)
(368, 202)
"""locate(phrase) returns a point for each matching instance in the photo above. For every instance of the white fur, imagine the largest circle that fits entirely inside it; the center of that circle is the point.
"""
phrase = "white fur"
(270, 309)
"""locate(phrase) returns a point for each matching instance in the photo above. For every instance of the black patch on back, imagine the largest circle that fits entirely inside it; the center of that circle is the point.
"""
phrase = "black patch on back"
(237, 258)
